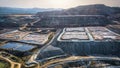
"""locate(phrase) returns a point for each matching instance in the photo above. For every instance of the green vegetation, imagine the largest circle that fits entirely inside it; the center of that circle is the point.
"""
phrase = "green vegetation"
(3, 64)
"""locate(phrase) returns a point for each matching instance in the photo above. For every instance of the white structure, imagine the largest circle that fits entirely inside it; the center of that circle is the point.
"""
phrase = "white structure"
(102, 33)
(85, 34)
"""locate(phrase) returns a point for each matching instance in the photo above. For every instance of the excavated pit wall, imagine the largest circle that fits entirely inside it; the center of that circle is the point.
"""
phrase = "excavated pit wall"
(90, 48)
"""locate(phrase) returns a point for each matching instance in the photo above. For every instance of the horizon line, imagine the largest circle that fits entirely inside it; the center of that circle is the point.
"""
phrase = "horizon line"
(55, 8)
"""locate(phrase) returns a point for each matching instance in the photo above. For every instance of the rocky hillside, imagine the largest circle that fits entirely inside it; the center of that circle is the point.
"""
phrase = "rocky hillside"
(96, 9)
(87, 15)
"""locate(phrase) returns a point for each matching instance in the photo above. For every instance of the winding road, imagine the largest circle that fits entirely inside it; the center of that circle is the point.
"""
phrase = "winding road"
(13, 64)
(76, 58)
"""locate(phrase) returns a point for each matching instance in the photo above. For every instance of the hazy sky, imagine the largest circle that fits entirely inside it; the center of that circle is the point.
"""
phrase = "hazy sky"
(55, 3)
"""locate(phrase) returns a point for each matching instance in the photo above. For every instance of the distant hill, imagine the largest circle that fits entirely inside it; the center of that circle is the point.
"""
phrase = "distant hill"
(9, 10)
(14, 21)
(87, 15)
(96, 9)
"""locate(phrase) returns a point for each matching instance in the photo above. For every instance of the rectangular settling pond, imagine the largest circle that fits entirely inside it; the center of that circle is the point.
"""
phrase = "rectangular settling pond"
(17, 46)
